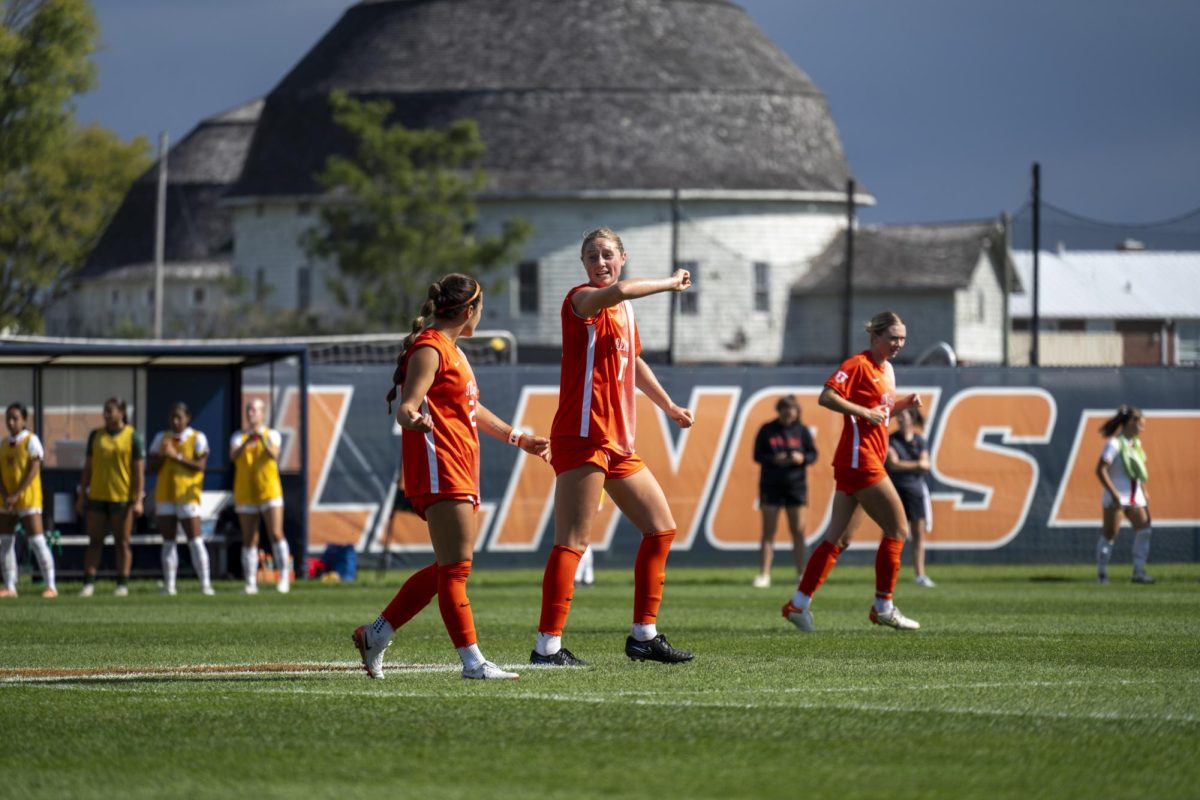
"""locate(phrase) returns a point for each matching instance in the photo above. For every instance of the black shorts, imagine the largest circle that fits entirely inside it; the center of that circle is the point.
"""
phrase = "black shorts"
(914, 501)
(782, 496)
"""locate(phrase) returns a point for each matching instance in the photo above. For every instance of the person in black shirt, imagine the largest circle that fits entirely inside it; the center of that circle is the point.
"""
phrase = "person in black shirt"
(907, 464)
(784, 447)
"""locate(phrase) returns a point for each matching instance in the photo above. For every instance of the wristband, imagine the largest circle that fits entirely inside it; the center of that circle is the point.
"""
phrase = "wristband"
(514, 437)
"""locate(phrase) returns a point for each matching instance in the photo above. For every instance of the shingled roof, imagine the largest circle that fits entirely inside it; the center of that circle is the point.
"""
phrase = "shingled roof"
(906, 257)
(570, 95)
(200, 169)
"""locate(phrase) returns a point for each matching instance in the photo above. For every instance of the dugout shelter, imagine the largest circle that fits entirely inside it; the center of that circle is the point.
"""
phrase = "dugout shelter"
(64, 383)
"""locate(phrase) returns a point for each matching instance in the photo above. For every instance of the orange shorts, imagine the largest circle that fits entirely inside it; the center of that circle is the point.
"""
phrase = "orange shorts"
(569, 452)
(849, 480)
(423, 501)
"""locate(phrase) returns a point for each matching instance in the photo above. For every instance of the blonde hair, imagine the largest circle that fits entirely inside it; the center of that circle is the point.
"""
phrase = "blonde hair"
(602, 233)
(878, 324)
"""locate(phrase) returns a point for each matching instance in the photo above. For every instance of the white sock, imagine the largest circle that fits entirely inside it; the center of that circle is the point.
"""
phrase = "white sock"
(381, 629)
(801, 600)
(1141, 550)
(170, 564)
(883, 606)
(644, 633)
(45, 559)
(8, 555)
(1103, 554)
(471, 656)
(548, 645)
(200, 560)
(250, 564)
(583, 573)
(280, 549)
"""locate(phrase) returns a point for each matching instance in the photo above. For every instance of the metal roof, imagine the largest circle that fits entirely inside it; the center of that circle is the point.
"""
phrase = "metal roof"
(1110, 285)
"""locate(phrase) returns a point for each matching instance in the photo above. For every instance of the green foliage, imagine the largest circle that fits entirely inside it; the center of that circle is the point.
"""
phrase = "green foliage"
(59, 183)
(400, 213)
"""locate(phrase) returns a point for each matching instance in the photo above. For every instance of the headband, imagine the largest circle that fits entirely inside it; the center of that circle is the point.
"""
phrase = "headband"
(447, 309)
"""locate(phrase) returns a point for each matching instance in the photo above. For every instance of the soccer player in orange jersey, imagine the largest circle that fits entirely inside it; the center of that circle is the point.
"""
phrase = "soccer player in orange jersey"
(864, 390)
(440, 413)
(592, 448)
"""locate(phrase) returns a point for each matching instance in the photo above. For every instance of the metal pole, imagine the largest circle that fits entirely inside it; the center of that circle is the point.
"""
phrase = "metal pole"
(160, 234)
(673, 298)
(1006, 284)
(1036, 322)
(848, 293)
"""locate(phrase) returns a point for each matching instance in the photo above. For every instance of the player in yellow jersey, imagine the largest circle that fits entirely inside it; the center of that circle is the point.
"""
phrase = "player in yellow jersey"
(111, 492)
(258, 493)
(178, 456)
(21, 457)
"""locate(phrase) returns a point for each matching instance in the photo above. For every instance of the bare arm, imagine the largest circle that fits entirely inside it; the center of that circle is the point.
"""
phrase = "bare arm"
(835, 402)
(422, 367)
(497, 428)
(85, 480)
(270, 448)
(897, 464)
(1105, 478)
(588, 302)
(645, 380)
(139, 484)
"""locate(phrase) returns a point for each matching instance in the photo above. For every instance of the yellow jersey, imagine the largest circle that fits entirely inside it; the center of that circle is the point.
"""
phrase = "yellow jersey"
(17, 454)
(112, 457)
(256, 474)
(177, 483)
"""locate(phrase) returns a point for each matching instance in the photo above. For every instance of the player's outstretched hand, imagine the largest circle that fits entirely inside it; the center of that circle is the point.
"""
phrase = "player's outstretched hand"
(683, 417)
(536, 446)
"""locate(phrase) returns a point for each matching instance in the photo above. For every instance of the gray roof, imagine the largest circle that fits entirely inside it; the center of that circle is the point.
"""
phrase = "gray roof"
(200, 168)
(569, 95)
(906, 257)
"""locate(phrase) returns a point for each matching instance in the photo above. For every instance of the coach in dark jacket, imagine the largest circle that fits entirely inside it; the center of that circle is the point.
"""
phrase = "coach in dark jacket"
(784, 448)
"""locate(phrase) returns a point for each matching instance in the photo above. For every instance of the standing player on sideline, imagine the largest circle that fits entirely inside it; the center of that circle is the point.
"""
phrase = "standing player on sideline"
(257, 491)
(863, 389)
(907, 466)
(440, 413)
(783, 448)
(112, 489)
(1122, 473)
(592, 448)
(179, 456)
(21, 455)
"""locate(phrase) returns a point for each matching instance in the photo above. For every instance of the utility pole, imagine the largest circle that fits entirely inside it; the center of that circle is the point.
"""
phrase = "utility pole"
(160, 234)
(1035, 322)
(848, 292)
(673, 297)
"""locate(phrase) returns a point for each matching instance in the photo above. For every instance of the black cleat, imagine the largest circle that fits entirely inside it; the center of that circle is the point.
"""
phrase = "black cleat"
(657, 649)
(563, 658)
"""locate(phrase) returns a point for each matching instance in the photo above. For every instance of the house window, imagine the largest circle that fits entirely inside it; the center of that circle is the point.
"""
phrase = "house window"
(198, 296)
(689, 301)
(303, 288)
(1187, 350)
(980, 306)
(149, 297)
(114, 297)
(260, 284)
(1099, 326)
(527, 287)
(762, 286)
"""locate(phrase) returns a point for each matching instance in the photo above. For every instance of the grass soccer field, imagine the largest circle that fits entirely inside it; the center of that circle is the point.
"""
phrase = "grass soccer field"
(1023, 682)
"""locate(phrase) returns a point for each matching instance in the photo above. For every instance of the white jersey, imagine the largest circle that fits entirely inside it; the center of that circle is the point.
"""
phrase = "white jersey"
(1129, 491)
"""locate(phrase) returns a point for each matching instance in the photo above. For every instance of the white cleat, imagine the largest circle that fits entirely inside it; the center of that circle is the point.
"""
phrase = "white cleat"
(803, 620)
(121, 591)
(926, 581)
(250, 589)
(207, 590)
(894, 619)
(371, 651)
(283, 587)
(88, 590)
(762, 582)
(169, 591)
(488, 671)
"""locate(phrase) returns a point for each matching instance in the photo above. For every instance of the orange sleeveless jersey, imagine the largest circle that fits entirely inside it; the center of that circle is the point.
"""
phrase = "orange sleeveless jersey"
(596, 379)
(863, 382)
(446, 460)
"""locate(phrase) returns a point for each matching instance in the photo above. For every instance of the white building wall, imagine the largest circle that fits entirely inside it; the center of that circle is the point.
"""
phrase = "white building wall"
(817, 335)
(110, 305)
(979, 317)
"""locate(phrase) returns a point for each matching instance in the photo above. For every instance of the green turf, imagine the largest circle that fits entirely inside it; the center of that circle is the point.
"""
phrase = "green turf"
(1023, 682)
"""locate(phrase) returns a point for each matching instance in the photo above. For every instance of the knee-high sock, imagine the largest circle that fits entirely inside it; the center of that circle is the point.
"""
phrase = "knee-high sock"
(170, 564)
(887, 567)
(414, 595)
(8, 558)
(200, 560)
(282, 554)
(1103, 554)
(45, 559)
(453, 603)
(558, 589)
(820, 563)
(250, 564)
(649, 575)
(1141, 549)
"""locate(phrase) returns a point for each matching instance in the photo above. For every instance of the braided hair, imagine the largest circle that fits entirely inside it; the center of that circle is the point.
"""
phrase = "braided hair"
(446, 299)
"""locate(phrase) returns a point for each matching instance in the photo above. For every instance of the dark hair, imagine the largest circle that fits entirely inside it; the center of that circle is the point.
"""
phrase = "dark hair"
(120, 404)
(917, 417)
(879, 323)
(20, 409)
(1118, 420)
(181, 406)
(446, 299)
(786, 402)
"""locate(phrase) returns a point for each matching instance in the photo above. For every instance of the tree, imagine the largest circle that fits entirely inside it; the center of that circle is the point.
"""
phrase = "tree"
(401, 211)
(59, 183)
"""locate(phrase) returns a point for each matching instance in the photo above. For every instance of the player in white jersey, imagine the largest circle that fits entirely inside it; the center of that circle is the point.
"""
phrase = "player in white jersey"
(1123, 474)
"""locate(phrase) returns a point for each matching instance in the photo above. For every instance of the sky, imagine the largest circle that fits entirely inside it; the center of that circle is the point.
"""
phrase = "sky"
(942, 105)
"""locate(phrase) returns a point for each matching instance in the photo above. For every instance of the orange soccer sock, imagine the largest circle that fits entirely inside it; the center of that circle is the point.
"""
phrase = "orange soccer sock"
(413, 596)
(558, 589)
(820, 564)
(453, 602)
(887, 567)
(649, 575)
